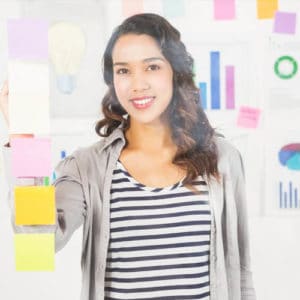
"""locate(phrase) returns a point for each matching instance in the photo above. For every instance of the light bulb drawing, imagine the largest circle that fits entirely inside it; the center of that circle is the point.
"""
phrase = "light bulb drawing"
(67, 45)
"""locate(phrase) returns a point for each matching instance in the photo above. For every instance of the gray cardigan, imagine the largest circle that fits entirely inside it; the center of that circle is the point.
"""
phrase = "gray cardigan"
(83, 196)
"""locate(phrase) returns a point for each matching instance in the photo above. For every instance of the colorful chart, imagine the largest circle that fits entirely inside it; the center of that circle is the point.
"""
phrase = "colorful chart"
(289, 156)
(288, 198)
(215, 84)
(286, 67)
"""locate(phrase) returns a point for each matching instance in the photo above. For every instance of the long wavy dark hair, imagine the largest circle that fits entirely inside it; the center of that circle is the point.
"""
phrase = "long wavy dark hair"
(190, 128)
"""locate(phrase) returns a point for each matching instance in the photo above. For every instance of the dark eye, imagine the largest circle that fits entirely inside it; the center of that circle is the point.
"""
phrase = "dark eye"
(122, 71)
(153, 67)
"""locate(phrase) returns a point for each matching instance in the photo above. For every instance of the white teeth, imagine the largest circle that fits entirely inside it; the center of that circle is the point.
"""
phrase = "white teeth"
(144, 101)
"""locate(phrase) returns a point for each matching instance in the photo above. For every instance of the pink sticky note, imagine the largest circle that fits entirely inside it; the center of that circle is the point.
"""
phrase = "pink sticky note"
(27, 39)
(248, 117)
(224, 9)
(285, 22)
(31, 157)
(132, 7)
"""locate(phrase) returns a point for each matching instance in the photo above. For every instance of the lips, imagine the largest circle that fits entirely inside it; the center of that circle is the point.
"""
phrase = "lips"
(142, 102)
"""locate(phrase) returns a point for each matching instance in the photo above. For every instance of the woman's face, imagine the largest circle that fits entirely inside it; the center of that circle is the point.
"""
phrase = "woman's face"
(143, 78)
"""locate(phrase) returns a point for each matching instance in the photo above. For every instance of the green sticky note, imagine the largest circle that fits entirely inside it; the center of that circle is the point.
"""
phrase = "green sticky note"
(34, 252)
(173, 9)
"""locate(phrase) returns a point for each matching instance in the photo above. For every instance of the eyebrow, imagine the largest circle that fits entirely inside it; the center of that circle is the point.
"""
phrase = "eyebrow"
(144, 60)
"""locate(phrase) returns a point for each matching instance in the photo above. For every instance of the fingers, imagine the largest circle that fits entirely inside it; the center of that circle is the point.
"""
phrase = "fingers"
(4, 101)
(4, 90)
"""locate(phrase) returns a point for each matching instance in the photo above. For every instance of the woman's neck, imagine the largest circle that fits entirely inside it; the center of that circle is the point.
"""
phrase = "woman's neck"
(149, 137)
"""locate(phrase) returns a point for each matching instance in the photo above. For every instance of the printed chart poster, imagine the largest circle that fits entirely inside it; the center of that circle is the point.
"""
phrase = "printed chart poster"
(283, 174)
(284, 74)
(226, 74)
(223, 72)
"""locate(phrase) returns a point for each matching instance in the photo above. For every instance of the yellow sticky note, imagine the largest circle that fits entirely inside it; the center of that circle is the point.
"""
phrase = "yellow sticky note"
(34, 252)
(34, 205)
(266, 8)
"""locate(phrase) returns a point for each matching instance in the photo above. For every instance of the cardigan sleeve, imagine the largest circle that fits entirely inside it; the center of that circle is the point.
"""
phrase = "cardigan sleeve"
(238, 181)
(69, 199)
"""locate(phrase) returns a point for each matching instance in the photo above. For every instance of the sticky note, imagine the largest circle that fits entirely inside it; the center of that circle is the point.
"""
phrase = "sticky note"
(29, 106)
(34, 205)
(34, 252)
(285, 22)
(27, 38)
(266, 8)
(33, 119)
(132, 7)
(28, 95)
(28, 77)
(173, 9)
(248, 117)
(31, 157)
(224, 9)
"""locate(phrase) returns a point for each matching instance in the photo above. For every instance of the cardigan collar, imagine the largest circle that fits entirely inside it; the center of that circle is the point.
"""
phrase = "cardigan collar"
(115, 135)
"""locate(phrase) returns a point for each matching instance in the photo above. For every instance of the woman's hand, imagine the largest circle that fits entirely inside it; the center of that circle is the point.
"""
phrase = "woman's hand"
(4, 109)
(4, 102)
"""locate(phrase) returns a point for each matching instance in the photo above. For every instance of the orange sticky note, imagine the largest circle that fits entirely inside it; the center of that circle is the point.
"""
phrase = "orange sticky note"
(34, 252)
(132, 7)
(266, 8)
(34, 205)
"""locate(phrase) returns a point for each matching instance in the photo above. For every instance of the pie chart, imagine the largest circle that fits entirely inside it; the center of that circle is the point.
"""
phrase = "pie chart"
(289, 156)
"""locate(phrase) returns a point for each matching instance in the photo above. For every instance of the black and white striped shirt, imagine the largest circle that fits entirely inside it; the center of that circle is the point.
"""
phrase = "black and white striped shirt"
(159, 241)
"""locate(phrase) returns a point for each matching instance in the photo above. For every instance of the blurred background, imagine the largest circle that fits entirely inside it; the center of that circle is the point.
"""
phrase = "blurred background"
(246, 65)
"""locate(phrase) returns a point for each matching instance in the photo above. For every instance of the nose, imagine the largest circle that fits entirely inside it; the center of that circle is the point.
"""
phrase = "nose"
(139, 83)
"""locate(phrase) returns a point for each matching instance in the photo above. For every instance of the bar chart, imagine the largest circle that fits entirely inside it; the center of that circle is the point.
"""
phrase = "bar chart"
(289, 160)
(288, 195)
(215, 85)
(282, 177)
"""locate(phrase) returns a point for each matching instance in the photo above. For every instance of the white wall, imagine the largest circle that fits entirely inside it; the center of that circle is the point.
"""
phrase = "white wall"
(246, 42)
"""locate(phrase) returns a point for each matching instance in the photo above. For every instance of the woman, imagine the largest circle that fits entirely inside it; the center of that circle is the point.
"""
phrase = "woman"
(161, 196)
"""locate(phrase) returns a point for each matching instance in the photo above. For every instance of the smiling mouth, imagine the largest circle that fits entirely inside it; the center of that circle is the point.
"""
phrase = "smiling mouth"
(142, 102)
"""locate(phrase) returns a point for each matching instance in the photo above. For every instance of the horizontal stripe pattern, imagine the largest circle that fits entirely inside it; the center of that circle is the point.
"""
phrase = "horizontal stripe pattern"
(159, 241)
